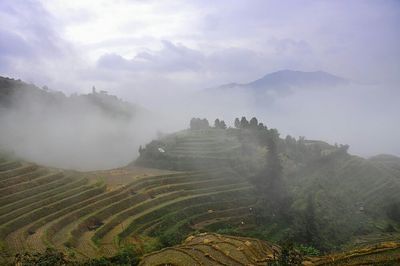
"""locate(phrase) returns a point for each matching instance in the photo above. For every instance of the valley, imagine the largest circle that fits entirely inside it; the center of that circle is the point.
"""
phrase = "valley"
(196, 181)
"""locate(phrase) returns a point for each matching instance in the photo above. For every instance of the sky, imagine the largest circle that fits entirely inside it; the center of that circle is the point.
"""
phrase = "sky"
(145, 51)
(143, 45)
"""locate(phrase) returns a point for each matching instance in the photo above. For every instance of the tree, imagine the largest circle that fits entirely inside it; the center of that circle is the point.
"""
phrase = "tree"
(244, 123)
(290, 140)
(344, 148)
(140, 150)
(269, 183)
(289, 256)
(311, 234)
(52, 257)
(393, 211)
(193, 123)
(217, 123)
(307, 229)
(274, 134)
(253, 123)
(204, 124)
(49, 258)
(237, 123)
(261, 126)
(197, 123)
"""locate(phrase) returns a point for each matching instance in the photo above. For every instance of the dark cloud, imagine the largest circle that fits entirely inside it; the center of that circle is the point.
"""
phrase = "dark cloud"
(175, 58)
(33, 29)
(236, 40)
(168, 48)
(171, 58)
(13, 45)
(220, 66)
(31, 47)
(114, 62)
(291, 47)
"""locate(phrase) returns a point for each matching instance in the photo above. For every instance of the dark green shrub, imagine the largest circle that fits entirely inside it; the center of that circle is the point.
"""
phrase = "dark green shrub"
(393, 211)
(308, 250)
(127, 256)
(289, 256)
(50, 257)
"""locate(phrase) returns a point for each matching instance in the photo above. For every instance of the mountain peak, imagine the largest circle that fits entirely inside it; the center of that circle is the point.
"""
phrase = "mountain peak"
(286, 79)
(292, 78)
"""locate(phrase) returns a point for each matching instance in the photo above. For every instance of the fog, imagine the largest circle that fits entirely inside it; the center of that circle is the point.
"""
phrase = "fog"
(358, 115)
(363, 116)
(73, 132)
(165, 57)
(76, 133)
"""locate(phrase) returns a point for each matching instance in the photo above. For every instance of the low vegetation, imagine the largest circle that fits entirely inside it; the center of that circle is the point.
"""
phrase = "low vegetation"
(310, 197)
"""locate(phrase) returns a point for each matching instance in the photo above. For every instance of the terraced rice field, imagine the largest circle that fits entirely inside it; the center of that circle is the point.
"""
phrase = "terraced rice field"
(196, 145)
(353, 181)
(94, 214)
(196, 149)
(385, 253)
(215, 249)
(72, 212)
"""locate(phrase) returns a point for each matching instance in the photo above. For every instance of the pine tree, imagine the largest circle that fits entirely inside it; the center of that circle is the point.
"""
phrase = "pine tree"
(222, 124)
(253, 123)
(244, 123)
(140, 150)
(269, 182)
(311, 235)
(237, 123)
(204, 123)
(217, 123)
(193, 123)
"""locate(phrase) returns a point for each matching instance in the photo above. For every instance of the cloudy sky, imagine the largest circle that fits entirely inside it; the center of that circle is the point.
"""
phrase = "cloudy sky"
(146, 50)
(143, 45)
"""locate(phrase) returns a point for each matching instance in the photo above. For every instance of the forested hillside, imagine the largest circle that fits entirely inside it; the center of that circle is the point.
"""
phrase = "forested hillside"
(309, 191)
(86, 131)
(18, 94)
(243, 181)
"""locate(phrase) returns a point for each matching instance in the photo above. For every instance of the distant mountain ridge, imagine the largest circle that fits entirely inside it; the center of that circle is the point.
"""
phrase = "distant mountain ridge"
(80, 131)
(12, 92)
(285, 79)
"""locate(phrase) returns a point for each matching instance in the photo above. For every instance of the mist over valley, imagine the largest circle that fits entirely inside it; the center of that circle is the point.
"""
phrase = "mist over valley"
(199, 133)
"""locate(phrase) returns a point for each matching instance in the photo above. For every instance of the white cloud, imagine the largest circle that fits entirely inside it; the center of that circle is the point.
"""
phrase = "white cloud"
(146, 51)
(307, 35)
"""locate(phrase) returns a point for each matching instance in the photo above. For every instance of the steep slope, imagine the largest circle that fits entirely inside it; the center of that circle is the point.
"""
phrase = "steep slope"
(76, 213)
(350, 195)
(390, 162)
(73, 212)
(16, 94)
(270, 93)
(85, 132)
(366, 185)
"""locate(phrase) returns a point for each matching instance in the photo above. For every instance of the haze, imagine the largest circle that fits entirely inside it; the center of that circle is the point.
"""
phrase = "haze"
(163, 54)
